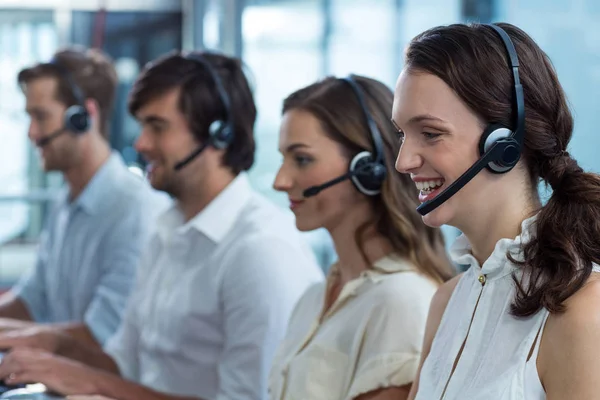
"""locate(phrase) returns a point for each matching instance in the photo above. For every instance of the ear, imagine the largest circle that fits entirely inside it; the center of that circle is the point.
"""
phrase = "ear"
(93, 109)
(95, 115)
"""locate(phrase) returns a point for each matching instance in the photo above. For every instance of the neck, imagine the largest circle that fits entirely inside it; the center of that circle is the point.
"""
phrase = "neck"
(351, 261)
(198, 194)
(489, 227)
(94, 154)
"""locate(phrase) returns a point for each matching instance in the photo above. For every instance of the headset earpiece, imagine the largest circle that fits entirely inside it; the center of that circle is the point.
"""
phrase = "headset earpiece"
(368, 170)
(367, 175)
(220, 134)
(492, 134)
(220, 131)
(77, 119)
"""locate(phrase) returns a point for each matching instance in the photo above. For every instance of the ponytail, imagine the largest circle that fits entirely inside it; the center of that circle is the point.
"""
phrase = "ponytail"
(560, 255)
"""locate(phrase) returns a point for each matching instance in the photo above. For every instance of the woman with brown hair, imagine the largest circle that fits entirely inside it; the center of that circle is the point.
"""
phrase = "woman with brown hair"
(359, 335)
(481, 113)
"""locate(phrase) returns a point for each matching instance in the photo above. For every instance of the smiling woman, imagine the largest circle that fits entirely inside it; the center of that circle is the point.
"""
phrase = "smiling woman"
(338, 147)
(501, 125)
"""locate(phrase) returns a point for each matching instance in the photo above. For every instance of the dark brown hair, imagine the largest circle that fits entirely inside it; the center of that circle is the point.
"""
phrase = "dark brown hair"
(199, 101)
(333, 102)
(90, 69)
(472, 60)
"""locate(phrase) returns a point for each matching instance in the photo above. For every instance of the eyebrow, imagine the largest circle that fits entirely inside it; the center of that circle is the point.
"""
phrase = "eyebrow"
(35, 110)
(419, 118)
(295, 146)
(154, 119)
(424, 117)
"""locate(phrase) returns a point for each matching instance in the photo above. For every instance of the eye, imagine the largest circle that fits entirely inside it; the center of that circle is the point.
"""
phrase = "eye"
(156, 129)
(400, 136)
(431, 136)
(302, 160)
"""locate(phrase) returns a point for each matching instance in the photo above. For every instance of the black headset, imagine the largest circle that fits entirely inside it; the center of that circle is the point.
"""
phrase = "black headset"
(366, 171)
(499, 147)
(221, 131)
(77, 118)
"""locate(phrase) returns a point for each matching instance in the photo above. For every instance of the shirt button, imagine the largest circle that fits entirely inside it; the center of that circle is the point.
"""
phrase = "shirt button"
(482, 279)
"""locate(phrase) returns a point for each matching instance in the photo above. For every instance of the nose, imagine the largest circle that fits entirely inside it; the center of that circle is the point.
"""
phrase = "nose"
(283, 180)
(408, 158)
(143, 144)
(33, 132)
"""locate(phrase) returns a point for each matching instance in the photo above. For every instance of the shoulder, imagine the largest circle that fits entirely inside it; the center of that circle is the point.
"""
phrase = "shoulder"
(407, 287)
(440, 301)
(569, 350)
(444, 293)
(581, 309)
(263, 228)
(311, 300)
(414, 294)
(277, 255)
(260, 214)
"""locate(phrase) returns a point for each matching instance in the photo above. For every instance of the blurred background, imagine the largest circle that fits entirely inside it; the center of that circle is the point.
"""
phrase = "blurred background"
(285, 43)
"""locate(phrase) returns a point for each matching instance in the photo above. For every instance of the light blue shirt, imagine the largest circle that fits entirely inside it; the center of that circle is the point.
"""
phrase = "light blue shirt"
(89, 251)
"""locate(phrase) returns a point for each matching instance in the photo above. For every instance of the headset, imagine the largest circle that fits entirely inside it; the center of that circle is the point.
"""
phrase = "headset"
(221, 131)
(77, 118)
(499, 147)
(366, 172)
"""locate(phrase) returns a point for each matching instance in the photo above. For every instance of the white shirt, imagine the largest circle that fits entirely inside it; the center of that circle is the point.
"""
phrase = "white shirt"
(494, 363)
(370, 338)
(213, 298)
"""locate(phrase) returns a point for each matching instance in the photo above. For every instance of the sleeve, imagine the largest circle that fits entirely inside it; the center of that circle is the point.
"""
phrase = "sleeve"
(121, 252)
(123, 345)
(261, 285)
(392, 341)
(31, 288)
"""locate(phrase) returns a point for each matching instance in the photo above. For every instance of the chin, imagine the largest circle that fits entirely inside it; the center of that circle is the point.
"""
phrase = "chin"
(304, 225)
(49, 166)
(438, 217)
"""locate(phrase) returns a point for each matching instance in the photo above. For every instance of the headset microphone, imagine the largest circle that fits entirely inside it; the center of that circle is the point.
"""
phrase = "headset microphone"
(45, 141)
(361, 172)
(499, 147)
(191, 157)
(315, 190)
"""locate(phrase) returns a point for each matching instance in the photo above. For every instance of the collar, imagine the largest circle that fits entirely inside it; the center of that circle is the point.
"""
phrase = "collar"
(381, 268)
(216, 219)
(497, 265)
(389, 264)
(93, 196)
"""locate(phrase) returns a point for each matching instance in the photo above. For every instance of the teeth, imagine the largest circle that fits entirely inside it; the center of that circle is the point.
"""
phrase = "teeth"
(428, 186)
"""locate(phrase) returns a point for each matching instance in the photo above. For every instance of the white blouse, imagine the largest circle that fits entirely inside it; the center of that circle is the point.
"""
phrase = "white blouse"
(369, 339)
(493, 364)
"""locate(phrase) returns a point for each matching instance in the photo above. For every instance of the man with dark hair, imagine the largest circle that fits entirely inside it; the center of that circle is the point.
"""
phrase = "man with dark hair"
(222, 274)
(95, 232)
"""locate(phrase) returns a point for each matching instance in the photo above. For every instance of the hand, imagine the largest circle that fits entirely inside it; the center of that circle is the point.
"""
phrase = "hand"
(38, 337)
(58, 374)
(9, 324)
